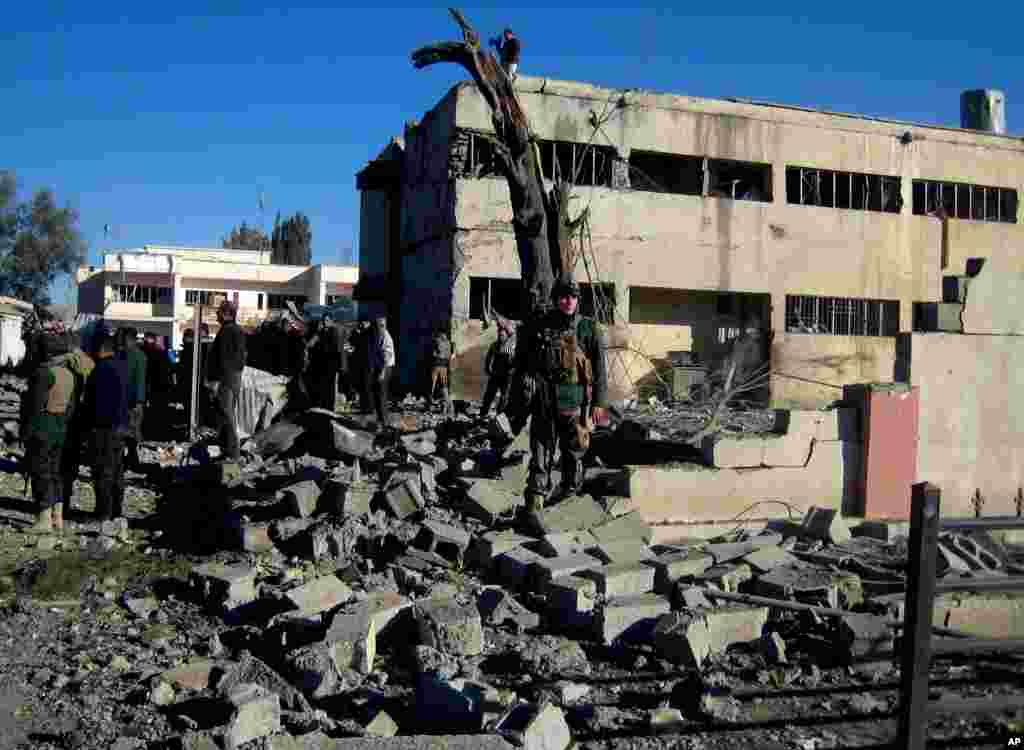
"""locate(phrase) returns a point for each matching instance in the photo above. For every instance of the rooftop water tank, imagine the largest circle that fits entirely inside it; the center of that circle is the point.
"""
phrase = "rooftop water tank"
(983, 109)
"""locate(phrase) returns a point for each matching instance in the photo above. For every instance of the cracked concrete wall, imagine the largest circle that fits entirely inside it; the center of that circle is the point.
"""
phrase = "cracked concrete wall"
(835, 360)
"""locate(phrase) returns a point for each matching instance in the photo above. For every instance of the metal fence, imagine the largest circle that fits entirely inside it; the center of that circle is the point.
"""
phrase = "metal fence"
(917, 647)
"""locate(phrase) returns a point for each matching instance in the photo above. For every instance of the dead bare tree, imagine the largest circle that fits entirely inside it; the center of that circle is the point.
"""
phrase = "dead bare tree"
(540, 218)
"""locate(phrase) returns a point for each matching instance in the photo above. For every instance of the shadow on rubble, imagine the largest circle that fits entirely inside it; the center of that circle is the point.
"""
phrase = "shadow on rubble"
(618, 450)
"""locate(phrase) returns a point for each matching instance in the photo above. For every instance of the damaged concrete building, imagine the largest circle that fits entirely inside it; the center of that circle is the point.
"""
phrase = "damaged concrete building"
(830, 228)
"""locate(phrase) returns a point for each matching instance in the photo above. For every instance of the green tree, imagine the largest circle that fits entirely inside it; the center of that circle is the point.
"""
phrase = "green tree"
(244, 237)
(292, 241)
(38, 242)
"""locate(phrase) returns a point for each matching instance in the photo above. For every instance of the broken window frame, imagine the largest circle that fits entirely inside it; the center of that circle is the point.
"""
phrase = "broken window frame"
(141, 294)
(856, 191)
(582, 164)
(983, 202)
(688, 180)
(757, 174)
(842, 316)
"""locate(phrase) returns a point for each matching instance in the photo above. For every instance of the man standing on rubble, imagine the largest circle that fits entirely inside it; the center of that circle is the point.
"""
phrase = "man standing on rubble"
(381, 360)
(361, 340)
(441, 354)
(225, 365)
(44, 426)
(325, 361)
(105, 411)
(561, 370)
(498, 366)
(136, 364)
(80, 365)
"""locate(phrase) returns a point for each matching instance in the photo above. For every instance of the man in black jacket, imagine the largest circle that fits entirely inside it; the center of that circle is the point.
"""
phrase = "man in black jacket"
(508, 49)
(225, 365)
(105, 410)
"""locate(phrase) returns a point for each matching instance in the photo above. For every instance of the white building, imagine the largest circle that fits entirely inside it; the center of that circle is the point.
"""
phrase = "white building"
(155, 288)
(12, 312)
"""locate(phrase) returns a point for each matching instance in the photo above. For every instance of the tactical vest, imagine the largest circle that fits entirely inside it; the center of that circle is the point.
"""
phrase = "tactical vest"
(562, 359)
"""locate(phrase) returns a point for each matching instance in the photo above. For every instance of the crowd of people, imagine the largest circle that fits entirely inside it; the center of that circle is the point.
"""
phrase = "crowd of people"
(112, 390)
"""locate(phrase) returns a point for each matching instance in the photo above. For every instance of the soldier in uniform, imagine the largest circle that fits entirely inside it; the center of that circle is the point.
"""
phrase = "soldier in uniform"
(560, 366)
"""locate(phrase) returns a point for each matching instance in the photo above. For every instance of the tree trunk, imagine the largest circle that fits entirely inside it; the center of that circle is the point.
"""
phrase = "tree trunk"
(539, 219)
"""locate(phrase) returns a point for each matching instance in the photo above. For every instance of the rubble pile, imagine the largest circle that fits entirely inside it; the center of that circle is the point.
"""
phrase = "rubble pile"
(371, 590)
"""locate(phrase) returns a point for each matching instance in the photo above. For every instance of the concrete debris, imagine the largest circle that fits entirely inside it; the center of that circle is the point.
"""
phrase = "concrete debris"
(621, 579)
(382, 725)
(572, 601)
(726, 577)
(827, 524)
(630, 618)
(621, 551)
(489, 500)
(319, 596)
(864, 635)
(499, 609)
(535, 728)
(670, 568)
(404, 499)
(691, 637)
(450, 626)
(574, 514)
(257, 714)
(563, 544)
(223, 587)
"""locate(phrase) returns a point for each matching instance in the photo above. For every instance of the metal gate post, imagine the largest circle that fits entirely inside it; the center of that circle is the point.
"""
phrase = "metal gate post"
(915, 645)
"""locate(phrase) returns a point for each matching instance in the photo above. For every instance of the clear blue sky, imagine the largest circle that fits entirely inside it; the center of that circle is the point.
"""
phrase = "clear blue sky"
(165, 119)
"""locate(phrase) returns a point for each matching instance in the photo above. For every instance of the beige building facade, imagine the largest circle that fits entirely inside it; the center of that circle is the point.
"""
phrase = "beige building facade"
(829, 228)
(156, 288)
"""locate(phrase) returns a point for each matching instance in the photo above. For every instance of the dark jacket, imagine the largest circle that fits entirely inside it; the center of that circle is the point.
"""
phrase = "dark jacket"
(105, 406)
(537, 353)
(498, 363)
(510, 51)
(227, 355)
(135, 362)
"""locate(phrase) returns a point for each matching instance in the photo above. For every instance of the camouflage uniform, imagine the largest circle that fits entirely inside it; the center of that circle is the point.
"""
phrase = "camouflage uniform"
(561, 375)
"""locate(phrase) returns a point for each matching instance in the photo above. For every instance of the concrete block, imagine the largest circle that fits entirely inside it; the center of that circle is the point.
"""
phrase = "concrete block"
(827, 524)
(668, 569)
(352, 640)
(319, 595)
(562, 544)
(455, 703)
(768, 558)
(225, 588)
(485, 549)
(807, 584)
(727, 577)
(257, 714)
(791, 449)
(195, 675)
(408, 742)
(577, 513)
(420, 444)
(622, 551)
(824, 426)
(382, 607)
(448, 541)
(535, 727)
(622, 579)
(450, 626)
(255, 538)
(548, 568)
(513, 567)
(690, 637)
(724, 553)
(693, 597)
(733, 452)
(630, 618)
(629, 526)
(488, 500)
(572, 601)
(498, 608)
(404, 499)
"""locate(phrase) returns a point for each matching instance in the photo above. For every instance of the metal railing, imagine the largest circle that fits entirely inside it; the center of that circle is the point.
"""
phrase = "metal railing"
(916, 646)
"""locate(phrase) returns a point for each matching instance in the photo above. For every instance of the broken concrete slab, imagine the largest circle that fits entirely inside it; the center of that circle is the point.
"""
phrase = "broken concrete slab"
(413, 742)
(865, 635)
(352, 640)
(224, 588)
(535, 727)
(345, 499)
(421, 443)
(629, 526)
(572, 601)
(488, 500)
(195, 675)
(485, 549)
(693, 597)
(630, 618)
(252, 670)
(448, 541)
(349, 442)
(768, 558)
(257, 714)
(563, 544)
(319, 595)
(548, 568)
(690, 637)
(827, 524)
(805, 583)
(670, 568)
(453, 703)
(573, 514)
(621, 551)
(621, 579)
(884, 531)
(382, 607)
(513, 568)
(791, 449)
(450, 626)
(382, 725)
